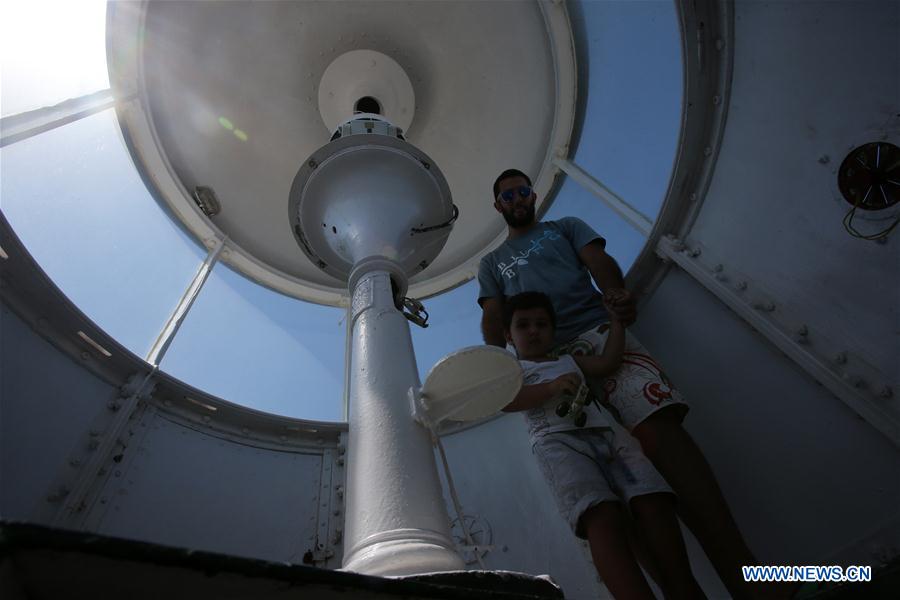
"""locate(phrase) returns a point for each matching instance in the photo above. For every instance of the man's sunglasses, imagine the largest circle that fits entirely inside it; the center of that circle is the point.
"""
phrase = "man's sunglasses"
(509, 195)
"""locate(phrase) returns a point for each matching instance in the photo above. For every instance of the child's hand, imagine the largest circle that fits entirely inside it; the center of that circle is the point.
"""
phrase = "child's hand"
(567, 384)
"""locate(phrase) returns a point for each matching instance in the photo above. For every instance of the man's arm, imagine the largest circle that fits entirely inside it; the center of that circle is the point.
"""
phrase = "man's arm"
(492, 322)
(608, 277)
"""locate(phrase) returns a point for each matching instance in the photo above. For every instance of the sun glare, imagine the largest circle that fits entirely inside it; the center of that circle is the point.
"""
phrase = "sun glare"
(50, 51)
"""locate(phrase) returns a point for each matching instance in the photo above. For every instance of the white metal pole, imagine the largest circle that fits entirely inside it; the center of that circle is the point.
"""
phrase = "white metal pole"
(161, 345)
(632, 216)
(396, 520)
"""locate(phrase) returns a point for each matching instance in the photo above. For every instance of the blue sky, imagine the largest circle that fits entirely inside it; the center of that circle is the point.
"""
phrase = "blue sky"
(75, 199)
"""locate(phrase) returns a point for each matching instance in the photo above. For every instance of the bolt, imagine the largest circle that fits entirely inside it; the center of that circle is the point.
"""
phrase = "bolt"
(112, 405)
(766, 306)
(340, 461)
(886, 391)
(85, 356)
(312, 164)
(694, 252)
(803, 331)
(721, 277)
(707, 151)
(341, 450)
(741, 285)
(717, 100)
(855, 380)
(693, 196)
(337, 512)
(824, 159)
(75, 462)
(840, 358)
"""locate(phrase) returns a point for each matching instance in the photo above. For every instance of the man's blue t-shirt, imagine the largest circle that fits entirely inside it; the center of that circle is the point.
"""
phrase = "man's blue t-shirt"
(546, 260)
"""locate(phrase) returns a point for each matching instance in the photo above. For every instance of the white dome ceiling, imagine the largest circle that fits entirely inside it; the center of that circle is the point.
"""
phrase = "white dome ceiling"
(229, 98)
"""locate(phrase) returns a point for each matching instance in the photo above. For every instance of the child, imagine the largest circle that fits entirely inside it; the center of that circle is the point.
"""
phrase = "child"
(592, 464)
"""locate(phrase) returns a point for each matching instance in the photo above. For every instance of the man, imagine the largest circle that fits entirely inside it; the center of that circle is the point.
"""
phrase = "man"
(560, 258)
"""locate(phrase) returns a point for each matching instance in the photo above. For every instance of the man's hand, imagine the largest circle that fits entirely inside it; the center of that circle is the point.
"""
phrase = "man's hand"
(621, 305)
(567, 384)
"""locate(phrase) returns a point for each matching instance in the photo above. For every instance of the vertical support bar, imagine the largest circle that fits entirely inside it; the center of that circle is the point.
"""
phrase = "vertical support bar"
(631, 215)
(161, 345)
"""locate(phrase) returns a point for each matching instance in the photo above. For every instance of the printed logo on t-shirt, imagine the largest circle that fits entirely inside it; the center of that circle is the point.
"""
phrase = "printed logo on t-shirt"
(521, 259)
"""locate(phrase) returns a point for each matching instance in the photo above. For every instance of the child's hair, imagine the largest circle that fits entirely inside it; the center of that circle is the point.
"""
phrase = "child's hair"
(524, 301)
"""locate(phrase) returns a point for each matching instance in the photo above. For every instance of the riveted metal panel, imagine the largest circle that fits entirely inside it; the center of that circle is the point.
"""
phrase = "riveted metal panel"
(805, 477)
(47, 402)
(185, 488)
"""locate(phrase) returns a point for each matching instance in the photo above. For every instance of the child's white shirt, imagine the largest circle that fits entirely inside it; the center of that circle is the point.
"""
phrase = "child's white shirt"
(544, 420)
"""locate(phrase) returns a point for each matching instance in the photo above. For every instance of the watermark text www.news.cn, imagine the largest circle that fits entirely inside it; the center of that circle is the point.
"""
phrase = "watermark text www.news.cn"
(812, 573)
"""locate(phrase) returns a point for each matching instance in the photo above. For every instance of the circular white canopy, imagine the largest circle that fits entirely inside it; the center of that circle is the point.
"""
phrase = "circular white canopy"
(229, 97)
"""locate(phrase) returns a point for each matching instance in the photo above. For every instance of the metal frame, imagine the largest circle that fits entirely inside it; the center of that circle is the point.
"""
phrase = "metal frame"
(22, 126)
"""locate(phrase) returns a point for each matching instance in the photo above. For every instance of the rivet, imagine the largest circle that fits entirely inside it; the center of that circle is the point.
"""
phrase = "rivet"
(741, 285)
(337, 512)
(75, 462)
(840, 358)
(707, 151)
(803, 330)
(886, 391)
(693, 196)
(720, 43)
(112, 405)
(717, 100)
(824, 159)
(694, 252)
(85, 356)
(721, 277)
(312, 164)
(719, 268)
(766, 306)
(340, 461)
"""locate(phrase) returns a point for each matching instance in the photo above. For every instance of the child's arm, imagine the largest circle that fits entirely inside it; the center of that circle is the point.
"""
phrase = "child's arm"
(532, 396)
(611, 357)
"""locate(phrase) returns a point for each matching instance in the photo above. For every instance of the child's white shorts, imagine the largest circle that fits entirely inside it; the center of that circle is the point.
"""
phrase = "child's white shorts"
(585, 467)
(637, 389)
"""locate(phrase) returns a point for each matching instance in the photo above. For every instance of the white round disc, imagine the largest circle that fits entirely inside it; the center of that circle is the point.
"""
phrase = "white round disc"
(361, 73)
(486, 378)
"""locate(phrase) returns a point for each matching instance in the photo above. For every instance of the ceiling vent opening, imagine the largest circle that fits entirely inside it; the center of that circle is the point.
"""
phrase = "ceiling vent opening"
(367, 104)
(869, 177)
(869, 180)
